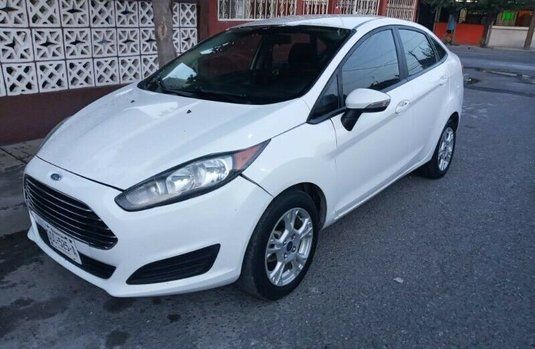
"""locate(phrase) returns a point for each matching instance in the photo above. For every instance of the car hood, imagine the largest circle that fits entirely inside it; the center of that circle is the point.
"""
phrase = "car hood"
(133, 134)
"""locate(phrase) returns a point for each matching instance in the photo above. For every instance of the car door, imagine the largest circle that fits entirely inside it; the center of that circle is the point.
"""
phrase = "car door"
(377, 150)
(428, 80)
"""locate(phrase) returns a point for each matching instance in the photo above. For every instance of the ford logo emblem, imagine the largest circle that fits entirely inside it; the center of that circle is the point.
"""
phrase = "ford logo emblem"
(55, 176)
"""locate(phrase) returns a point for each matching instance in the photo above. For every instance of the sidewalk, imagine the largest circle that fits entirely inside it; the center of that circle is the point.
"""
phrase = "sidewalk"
(13, 158)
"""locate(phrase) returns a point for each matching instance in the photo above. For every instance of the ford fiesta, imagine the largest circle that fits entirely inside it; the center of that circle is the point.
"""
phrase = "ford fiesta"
(226, 163)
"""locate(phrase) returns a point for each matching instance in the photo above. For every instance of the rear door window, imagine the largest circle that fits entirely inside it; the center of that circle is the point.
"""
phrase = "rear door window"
(417, 50)
(441, 52)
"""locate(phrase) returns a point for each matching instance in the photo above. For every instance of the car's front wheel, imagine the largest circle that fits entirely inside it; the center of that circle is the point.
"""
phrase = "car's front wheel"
(282, 246)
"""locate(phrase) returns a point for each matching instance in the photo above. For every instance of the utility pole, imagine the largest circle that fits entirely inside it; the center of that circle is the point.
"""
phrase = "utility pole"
(529, 35)
(163, 26)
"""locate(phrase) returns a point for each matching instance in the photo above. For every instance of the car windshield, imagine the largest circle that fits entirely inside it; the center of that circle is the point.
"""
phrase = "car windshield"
(251, 65)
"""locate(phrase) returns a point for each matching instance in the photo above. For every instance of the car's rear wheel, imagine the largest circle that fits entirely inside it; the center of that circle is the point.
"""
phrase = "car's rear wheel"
(281, 247)
(443, 155)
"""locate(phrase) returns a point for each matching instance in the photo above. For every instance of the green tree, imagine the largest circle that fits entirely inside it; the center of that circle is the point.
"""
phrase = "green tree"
(439, 5)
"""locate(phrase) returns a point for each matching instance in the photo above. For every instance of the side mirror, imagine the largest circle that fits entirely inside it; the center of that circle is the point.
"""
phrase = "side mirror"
(363, 100)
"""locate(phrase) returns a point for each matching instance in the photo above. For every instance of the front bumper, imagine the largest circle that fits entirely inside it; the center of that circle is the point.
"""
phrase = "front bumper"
(226, 216)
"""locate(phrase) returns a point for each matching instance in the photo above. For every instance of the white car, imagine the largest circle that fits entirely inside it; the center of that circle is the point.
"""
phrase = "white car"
(226, 163)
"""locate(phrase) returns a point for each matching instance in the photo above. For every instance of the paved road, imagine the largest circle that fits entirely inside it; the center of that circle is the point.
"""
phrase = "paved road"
(464, 247)
(518, 61)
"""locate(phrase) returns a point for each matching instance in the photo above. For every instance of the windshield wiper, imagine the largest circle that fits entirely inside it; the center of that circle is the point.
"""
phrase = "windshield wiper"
(218, 95)
(164, 89)
(200, 92)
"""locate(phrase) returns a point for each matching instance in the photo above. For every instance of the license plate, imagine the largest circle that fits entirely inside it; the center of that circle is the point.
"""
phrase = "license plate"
(62, 243)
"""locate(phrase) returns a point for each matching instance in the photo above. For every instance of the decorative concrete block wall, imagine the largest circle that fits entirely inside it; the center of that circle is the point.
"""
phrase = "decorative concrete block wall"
(51, 45)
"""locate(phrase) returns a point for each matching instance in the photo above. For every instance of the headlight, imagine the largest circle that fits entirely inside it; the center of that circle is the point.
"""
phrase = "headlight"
(188, 180)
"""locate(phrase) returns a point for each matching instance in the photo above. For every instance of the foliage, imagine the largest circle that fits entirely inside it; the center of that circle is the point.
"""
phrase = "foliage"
(489, 6)
(445, 4)
(496, 6)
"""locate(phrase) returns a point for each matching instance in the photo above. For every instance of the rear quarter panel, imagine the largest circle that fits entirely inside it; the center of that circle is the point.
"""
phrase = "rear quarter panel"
(454, 103)
(456, 82)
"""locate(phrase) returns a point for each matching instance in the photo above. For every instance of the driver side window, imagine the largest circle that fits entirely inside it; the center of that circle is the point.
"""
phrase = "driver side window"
(374, 64)
(329, 100)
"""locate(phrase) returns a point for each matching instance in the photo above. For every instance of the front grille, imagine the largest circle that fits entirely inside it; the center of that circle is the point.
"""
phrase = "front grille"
(175, 268)
(68, 215)
(92, 266)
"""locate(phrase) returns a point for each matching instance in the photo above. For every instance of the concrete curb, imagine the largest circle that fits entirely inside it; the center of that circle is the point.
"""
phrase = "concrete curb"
(13, 158)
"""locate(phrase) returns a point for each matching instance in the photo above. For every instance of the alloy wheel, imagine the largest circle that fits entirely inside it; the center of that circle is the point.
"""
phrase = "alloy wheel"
(289, 246)
(445, 150)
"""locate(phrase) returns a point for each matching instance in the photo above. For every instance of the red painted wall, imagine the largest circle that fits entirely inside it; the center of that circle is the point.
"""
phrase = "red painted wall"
(382, 7)
(465, 34)
(209, 24)
(32, 116)
(219, 26)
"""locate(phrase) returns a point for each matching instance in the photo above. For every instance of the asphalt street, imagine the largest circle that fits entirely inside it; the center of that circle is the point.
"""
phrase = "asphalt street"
(427, 264)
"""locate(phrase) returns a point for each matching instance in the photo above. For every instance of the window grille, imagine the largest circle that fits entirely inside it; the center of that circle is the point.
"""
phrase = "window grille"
(402, 9)
(361, 7)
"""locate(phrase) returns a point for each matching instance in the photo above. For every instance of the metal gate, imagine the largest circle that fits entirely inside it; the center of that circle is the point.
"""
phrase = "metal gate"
(361, 7)
(315, 7)
(255, 9)
(260, 9)
(402, 9)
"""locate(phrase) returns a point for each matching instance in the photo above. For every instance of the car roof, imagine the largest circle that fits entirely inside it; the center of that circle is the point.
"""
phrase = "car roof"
(335, 21)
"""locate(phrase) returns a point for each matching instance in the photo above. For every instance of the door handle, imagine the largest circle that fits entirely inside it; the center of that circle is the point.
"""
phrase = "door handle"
(443, 79)
(402, 106)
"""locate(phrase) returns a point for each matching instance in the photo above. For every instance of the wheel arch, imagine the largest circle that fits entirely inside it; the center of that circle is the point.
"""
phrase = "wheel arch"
(452, 115)
(455, 119)
(317, 195)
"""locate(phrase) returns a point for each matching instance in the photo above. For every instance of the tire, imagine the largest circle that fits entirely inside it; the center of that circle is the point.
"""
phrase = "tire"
(257, 264)
(435, 168)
